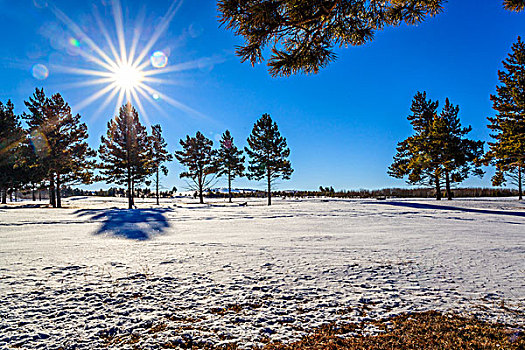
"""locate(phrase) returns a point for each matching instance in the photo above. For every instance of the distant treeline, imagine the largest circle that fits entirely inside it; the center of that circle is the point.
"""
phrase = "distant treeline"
(468, 192)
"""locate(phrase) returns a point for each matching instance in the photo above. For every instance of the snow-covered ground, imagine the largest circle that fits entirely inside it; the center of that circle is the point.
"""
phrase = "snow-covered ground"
(220, 273)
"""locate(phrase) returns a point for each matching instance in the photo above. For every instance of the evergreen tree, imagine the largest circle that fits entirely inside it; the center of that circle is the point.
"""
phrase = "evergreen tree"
(11, 137)
(159, 156)
(268, 152)
(302, 34)
(458, 156)
(438, 151)
(230, 161)
(199, 158)
(59, 140)
(507, 152)
(125, 151)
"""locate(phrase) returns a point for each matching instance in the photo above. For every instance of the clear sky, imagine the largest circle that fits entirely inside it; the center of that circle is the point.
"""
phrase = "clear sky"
(342, 125)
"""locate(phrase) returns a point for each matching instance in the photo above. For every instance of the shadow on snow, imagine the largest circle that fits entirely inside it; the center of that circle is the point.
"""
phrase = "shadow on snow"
(135, 224)
(448, 207)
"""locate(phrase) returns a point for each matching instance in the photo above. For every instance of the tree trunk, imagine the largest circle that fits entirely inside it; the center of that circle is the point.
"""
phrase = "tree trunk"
(230, 185)
(269, 189)
(520, 184)
(4, 195)
(201, 185)
(59, 195)
(447, 184)
(33, 191)
(130, 201)
(438, 188)
(40, 193)
(52, 198)
(157, 186)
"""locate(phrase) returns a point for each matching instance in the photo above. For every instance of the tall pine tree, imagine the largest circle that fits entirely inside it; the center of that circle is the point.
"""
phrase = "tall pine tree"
(59, 140)
(438, 153)
(11, 137)
(507, 152)
(230, 161)
(159, 156)
(268, 154)
(125, 151)
(198, 157)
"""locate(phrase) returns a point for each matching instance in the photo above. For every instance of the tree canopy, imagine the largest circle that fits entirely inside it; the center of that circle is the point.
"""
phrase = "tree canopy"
(302, 34)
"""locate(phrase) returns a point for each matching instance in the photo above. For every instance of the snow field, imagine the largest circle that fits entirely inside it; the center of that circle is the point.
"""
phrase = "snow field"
(183, 272)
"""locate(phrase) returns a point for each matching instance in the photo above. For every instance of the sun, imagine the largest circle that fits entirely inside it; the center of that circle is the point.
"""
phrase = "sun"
(126, 70)
(128, 78)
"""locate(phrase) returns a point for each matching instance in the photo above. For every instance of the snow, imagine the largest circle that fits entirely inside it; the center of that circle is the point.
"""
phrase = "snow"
(224, 273)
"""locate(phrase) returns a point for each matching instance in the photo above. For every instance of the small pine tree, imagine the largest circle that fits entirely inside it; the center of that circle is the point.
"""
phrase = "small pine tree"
(507, 152)
(268, 153)
(125, 151)
(11, 137)
(198, 157)
(230, 161)
(159, 156)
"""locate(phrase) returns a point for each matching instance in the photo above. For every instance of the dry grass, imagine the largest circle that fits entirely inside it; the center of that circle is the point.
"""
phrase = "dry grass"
(429, 331)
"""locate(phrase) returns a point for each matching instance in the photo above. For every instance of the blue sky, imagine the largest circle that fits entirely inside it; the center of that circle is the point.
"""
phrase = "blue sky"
(342, 125)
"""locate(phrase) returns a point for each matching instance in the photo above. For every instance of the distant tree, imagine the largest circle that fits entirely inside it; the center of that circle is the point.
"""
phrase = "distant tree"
(514, 5)
(438, 151)
(507, 152)
(230, 161)
(268, 153)
(198, 157)
(125, 151)
(11, 137)
(59, 141)
(159, 156)
(303, 34)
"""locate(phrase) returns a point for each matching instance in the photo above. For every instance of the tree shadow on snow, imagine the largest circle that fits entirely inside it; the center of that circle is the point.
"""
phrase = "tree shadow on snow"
(448, 207)
(135, 224)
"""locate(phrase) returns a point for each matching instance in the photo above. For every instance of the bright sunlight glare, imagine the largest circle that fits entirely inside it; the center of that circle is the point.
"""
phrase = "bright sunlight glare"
(125, 73)
(128, 77)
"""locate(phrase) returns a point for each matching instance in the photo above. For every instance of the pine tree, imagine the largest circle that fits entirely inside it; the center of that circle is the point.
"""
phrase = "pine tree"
(71, 155)
(268, 152)
(230, 162)
(159, 156)
(60, 142)
(125, 151)
(302, 34)
(507, 152)
(438, 151)
(458, 156)
(11, 137)
(199, 158)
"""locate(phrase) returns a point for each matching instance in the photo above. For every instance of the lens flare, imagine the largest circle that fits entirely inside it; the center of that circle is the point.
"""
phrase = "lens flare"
(159, 59)
(40, 72)
(39, 143)
(74, 42)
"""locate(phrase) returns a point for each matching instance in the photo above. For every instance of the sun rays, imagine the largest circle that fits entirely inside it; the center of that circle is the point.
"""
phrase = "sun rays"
(125, 69)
